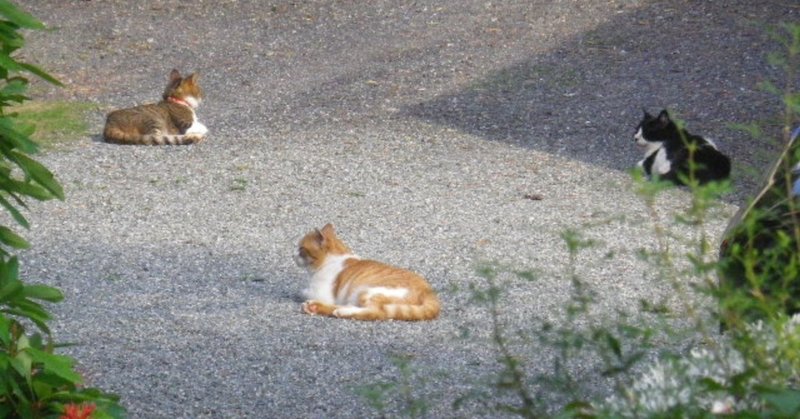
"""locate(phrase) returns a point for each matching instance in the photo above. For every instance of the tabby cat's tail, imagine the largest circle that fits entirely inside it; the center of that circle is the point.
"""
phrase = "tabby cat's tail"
(116, 136)
(427, 310)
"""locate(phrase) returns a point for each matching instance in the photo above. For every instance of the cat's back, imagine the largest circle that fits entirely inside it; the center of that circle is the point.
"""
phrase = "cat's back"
(136, 114)
(150, 111)
(365, 272)
(159, 123)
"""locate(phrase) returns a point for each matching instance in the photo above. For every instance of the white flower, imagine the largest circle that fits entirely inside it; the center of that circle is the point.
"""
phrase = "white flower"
(723, 407)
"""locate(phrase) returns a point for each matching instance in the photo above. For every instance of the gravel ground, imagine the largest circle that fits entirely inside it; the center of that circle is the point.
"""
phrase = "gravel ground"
(417, 128)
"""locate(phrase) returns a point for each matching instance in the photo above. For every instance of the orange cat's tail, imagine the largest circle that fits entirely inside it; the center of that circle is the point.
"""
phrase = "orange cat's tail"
(117, 136)
(427, 310)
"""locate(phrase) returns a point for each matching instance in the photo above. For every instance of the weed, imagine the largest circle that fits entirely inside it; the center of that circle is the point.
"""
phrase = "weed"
(239, 185)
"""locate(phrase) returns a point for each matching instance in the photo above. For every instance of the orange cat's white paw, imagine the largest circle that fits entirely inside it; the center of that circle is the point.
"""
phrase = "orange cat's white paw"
(311, 307)
(348, 311)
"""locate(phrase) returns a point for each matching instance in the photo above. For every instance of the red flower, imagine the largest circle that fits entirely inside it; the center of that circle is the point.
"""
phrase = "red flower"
(78, 411)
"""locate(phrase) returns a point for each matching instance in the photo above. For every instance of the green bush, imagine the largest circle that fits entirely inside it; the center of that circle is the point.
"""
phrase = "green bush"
(34, 381)
(665, 359)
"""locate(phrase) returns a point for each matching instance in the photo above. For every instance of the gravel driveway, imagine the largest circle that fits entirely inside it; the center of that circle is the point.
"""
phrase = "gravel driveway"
(416, 127)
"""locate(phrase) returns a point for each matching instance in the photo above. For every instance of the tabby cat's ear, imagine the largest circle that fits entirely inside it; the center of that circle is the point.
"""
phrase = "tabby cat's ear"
(192, 78)
(174, 75)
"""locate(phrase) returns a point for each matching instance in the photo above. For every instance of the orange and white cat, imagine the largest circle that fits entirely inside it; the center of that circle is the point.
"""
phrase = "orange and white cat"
(346, 286)
(169, 122)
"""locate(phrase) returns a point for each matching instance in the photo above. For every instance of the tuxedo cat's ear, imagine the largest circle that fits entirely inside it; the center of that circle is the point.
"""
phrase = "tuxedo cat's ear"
(647, 114)
(663, 118)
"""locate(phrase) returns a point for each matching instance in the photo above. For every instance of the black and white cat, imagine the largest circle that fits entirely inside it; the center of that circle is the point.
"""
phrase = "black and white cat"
(667, 152)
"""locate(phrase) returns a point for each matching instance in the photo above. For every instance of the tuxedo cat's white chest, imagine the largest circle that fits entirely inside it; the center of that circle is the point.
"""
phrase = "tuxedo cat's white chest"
(661, 164)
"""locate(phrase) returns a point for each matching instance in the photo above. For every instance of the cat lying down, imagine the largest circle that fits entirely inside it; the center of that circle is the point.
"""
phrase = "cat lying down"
(169, 122)
(344, 285)
(668, 156)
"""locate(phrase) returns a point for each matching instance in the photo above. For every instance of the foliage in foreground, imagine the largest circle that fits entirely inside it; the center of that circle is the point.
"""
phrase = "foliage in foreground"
(668, 359)
(35, 381)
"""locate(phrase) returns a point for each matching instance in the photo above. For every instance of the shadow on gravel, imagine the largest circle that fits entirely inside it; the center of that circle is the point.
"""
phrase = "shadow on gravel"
(583, 100)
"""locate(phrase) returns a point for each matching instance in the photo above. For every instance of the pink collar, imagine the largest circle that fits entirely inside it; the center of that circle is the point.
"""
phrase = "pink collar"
(178, 101)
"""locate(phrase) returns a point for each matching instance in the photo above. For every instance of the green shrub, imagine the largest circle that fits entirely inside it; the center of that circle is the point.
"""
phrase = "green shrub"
(668, 359)
(34, 381)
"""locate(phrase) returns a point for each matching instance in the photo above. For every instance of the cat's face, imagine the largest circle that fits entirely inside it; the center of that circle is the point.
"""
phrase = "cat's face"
(652, 130)
(184, 88)
(317, 245)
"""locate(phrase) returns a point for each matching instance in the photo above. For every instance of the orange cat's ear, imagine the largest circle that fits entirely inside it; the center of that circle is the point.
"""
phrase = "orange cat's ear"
(327, 233)
(319, 237)
(328, 230)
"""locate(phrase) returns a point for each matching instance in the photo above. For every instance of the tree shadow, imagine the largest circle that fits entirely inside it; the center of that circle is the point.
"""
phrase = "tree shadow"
(584, 99)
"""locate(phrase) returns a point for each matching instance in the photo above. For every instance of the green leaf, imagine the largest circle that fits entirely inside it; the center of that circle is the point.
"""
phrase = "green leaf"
(786, 402)
(5, 332)
(43, 292)
(11, 38)
(39, 173)
(25, 188)
(9, 269)
(112, 411)
(9, 63)
(37, 71)
(526, 275)
(59, 365)
(613, 343)
(22, 364)
(32, 308)
(14, 87)
(37, 318)
(11, 132)
(42, 389)
(15, 214)
(10, 289)
(10, 238)
(18, 17)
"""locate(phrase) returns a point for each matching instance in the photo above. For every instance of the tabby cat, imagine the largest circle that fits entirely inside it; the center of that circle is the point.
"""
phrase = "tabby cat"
(346, 286)
(667, 153)
(171, 121)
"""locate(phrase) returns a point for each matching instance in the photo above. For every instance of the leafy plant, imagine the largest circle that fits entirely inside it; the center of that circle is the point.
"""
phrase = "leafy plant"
(383, 396)
(669, 358)
(760, 266)
(34, 380)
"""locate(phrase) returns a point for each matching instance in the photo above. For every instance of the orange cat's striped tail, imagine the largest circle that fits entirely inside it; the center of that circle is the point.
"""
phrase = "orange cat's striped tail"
(117, 136)
(428, 310)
